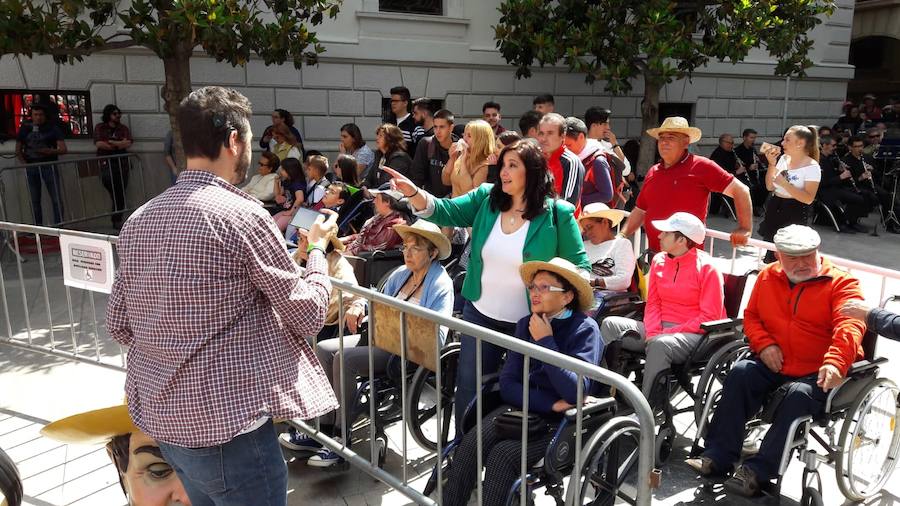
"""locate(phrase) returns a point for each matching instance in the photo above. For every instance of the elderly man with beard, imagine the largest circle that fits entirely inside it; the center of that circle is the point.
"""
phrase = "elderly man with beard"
(799, 336)
(214, 312)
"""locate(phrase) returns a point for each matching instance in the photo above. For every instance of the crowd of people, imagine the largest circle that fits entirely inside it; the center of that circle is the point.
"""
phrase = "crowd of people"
(225, 330)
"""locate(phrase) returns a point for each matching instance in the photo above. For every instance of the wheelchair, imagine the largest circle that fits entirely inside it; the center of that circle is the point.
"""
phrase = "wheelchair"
(857, 429)
(718, 338)
(609, 451)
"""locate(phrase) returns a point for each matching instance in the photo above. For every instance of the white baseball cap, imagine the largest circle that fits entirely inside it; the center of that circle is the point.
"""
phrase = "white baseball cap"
(686, 223)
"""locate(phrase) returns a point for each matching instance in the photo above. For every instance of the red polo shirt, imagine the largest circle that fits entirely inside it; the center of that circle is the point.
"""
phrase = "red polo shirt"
(684, 186)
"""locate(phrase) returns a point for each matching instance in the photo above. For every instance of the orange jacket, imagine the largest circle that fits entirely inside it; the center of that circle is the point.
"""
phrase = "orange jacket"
(804, 320)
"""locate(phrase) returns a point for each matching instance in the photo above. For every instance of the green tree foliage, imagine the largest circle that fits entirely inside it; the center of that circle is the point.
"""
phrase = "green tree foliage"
(227, 30)
(660, 40)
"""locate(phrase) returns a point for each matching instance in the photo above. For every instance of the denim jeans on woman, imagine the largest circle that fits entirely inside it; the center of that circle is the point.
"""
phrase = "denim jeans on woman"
(249, 469)
(491, 358)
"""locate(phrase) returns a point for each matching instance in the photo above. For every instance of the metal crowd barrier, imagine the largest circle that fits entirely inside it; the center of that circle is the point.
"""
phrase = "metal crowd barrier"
(75, 187)
(41, 314)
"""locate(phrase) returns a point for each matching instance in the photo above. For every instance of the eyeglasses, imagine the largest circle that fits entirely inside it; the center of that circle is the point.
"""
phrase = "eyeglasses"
(411, 249)
(544, 288)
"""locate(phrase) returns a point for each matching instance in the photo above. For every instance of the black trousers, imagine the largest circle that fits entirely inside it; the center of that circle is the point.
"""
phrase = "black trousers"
(114, 176)
(781, 212)
(855, 206)
(502, 463)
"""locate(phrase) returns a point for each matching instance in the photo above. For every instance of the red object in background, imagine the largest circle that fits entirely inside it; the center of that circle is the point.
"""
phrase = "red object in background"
(28, 244)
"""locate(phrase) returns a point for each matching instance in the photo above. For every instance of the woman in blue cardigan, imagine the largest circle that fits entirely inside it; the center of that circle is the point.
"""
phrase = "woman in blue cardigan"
(421, 280)
(517, 220)
(559, 295)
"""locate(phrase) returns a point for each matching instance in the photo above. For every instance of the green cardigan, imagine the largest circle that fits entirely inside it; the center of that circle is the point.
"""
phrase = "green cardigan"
(554, 233)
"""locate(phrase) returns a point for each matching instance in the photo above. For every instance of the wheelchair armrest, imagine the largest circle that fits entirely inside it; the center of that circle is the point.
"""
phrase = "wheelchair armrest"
(592, 406)
(863, 366)
(720, 325)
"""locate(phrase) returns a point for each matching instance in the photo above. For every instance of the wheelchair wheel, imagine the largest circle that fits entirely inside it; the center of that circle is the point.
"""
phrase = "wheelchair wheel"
(421, 418)
(713, 377)
(869, 441)
(607, 461)
(811, 497)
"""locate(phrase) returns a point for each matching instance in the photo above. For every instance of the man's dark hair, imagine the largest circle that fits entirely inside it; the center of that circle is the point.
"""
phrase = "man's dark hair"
(445, 115)
(343, 191)
(529, 120)
(424, 104)
(544, 98)
(748, 131)
(594, 115)
(490, 105)
(826, 139)
(403, 91)
(855, 139)
(508, 137)
(210, 114)
(38, 107)
(312, 152)
(538, 180)
(575, 127)
(108, 111)
(286, 116)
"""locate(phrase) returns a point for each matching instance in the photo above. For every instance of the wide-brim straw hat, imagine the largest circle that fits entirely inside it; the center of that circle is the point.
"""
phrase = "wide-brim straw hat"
(568, 271)
(601, 210)
(678, 125)
(431, 232)
(333, 238)
(92, 427)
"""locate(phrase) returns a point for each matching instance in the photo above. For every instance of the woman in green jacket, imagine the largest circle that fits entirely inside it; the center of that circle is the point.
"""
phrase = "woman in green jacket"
(515, 221)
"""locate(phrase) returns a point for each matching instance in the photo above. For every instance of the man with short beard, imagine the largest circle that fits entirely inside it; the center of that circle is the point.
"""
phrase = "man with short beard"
(798, 336)
(214, 312)
(432, 153)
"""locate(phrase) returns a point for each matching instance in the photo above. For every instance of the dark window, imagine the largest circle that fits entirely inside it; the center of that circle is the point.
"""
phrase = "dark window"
(434, 7)
(388, 117)
(667, 109)
(71, 110)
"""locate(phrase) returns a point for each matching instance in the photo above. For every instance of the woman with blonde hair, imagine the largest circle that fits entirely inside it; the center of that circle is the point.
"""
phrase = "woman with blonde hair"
(467, 167)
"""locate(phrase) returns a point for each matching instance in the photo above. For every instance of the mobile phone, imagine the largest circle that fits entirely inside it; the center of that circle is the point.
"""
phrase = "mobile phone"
(765, 147)
(304, 218)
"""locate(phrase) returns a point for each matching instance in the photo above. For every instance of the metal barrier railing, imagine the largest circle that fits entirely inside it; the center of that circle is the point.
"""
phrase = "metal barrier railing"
(82, 338)
(72, 190)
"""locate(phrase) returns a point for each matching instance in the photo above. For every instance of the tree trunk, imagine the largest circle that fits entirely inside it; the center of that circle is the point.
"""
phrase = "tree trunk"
(178, 86)
(649, 119)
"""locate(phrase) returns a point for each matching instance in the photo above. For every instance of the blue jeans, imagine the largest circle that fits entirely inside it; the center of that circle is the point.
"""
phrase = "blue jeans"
(746, 388)
(50, 175)
(491, 359)
(249, 469)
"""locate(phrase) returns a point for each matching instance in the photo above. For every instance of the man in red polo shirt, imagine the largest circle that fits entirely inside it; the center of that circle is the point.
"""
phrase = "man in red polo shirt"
(567, 169)
(682, 182)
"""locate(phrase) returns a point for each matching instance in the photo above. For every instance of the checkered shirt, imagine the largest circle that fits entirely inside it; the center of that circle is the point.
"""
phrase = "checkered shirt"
(214, 311)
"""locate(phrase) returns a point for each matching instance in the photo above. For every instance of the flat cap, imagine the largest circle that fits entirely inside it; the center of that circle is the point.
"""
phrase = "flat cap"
(797, 240)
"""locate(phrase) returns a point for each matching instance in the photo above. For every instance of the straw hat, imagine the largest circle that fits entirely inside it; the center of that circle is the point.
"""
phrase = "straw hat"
(92, 427)
(333, 238)
(431, 232)
(678, 125)
(567, 270)
(601, 210)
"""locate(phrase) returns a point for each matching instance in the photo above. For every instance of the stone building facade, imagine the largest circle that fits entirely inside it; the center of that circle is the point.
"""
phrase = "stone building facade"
(450, 57)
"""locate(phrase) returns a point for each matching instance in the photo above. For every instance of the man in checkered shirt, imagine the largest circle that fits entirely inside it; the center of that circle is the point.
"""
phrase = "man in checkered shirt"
(214, 311)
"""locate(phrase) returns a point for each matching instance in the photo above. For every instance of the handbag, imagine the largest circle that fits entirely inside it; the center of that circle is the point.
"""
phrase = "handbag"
(508, 425)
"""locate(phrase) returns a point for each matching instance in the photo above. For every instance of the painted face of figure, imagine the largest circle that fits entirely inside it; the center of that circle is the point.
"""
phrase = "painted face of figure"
(148, 479)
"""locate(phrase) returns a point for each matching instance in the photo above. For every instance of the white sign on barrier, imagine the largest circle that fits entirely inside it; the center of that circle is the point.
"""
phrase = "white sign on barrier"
(87, 263)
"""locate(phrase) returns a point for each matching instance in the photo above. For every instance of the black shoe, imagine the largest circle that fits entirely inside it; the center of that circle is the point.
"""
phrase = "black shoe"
(847, 229)
(743, 483)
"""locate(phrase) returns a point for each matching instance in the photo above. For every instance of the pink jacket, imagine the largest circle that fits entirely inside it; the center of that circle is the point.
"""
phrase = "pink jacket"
(685, 290)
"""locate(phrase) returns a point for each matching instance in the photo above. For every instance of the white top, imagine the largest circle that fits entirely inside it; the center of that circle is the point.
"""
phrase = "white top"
(797, 177)
(503, 295)
(622, 253)
(262, 187)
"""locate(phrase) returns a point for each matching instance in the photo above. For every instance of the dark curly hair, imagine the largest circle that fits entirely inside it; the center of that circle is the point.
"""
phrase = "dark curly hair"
(538, 181)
